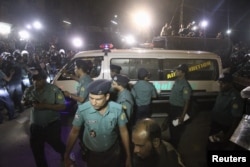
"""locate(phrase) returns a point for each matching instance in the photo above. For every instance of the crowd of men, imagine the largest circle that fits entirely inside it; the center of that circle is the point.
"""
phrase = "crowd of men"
(17, 68)
(112, 117)
(192, 30)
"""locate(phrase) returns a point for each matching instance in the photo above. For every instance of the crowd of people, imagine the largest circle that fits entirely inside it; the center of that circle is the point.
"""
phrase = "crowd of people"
(17, 68)
(112, 117)
(191, 30)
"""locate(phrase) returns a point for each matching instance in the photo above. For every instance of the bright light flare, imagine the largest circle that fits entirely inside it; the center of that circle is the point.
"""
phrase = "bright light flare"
(67, 22)
(113, 22)
(28, 26)
(129, 39)
(142, 19)
(37, 25)
(5, 28)
(24, 35)
(194, 28)
(204, 23)
(229, 31)
(77, 42)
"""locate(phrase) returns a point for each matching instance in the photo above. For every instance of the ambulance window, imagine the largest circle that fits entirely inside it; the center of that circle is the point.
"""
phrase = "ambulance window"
(131, 66)
(199, 69)
(94, 67)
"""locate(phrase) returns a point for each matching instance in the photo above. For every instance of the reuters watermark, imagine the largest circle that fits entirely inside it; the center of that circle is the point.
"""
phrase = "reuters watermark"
(228, 158)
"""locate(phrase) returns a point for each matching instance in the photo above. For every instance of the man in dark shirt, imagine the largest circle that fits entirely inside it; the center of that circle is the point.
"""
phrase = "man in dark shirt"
(226, 114)
(149, 149)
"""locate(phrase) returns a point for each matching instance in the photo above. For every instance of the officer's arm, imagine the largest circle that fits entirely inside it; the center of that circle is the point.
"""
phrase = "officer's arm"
(77, 98)
(125, 141)
(73, 136)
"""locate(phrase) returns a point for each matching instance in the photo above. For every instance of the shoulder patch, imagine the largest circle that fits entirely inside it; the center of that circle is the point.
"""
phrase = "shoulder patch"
(82, 89)
(185, 91)
(60, 96)
(123, 116)
(124, 107)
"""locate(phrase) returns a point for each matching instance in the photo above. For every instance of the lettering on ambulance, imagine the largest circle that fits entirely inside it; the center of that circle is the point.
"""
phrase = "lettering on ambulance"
(199, 66)
(191, 69)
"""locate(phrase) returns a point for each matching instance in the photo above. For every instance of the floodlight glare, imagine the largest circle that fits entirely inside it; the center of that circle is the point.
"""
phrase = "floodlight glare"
(204, 24)
(37, 25)
(194, 28)
(229, 31)
(77, 42)
(142, 19)
(5, 28)
(28, 26)
(129, 39)
(24, 35)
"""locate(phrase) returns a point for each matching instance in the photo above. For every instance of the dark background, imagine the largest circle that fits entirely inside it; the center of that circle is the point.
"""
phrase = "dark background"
(221, 15)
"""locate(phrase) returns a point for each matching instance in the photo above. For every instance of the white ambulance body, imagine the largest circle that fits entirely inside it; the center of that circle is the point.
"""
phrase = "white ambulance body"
(204, 68)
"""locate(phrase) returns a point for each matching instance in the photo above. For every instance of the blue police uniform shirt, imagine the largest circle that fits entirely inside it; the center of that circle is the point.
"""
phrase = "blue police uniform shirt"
(143, 91)
(51, 94)
(103, 127)
(125, 98)
(82, 87)
(180, 92)
(228, 105)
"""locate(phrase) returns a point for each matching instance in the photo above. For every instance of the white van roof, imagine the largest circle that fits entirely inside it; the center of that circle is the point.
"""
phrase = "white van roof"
(149, 52)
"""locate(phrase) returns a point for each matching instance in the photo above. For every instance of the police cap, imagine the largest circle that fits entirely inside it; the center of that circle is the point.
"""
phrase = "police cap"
(142, 73)
(40, 76)
(115, 67)
(99, 87)
(183, 68)
(226, 77)
(121, 79)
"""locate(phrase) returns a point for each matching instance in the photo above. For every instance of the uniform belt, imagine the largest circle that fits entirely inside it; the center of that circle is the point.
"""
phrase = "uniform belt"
(110, 150)
(48, 125)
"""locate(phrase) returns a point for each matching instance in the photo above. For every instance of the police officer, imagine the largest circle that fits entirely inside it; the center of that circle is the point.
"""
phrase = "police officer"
(149, 148)
(81, 71)
(101, 119)
(47, 101)
(114, 69)
(143, 92)
(179, 103)
(82, 77)
(226, 114)
(124, 97)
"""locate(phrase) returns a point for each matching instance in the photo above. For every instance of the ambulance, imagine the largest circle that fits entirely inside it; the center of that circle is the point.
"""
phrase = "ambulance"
(204, 69)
